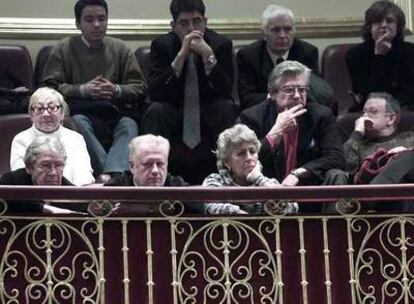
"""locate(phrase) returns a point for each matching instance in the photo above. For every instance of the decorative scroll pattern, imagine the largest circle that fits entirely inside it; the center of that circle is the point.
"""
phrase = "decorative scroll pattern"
(236, 263)
(207, 260)
(386, 255)
(55, 257)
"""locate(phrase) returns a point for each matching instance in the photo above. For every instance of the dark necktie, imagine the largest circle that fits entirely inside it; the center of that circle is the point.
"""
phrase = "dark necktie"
(191, 112)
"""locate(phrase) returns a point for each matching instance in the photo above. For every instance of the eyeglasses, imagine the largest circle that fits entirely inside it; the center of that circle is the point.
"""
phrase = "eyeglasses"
(49, 166)
(372, 113)
(50, 109)
(292, 90)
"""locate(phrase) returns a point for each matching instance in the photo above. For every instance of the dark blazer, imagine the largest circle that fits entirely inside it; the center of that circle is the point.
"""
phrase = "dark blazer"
(255, 65)
(165, 86)
(126, 179)
(392, 73)
(20, 177)
(318, 148)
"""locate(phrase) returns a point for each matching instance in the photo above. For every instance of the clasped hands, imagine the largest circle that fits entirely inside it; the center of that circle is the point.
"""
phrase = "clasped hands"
(100, 88)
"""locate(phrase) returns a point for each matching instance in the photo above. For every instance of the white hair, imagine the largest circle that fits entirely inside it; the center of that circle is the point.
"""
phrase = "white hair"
(272, 11)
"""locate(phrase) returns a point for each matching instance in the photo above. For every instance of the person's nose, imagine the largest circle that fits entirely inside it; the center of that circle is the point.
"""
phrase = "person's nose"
(250, 156)
(155, 170)
(296, 94)
(96, 23)
(191, 26)
(45, 112)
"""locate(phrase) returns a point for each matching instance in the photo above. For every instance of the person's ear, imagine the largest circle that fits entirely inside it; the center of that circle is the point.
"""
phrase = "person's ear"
(393, 118)
(131, 165)
(227, 166)
(173, 24)
(29, 169)
(77, 25)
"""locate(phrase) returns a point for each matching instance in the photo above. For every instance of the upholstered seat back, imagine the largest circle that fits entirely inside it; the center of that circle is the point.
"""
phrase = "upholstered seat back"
(40, 64)
(335, 72)
(16, 60)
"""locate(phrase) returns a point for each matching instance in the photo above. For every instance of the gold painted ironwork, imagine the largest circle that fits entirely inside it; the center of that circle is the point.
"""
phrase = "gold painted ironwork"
(48, 264)
(213, 259)
(328, 282)
(125, 250)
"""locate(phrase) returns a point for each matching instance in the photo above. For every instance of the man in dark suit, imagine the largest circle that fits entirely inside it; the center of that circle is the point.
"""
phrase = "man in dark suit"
(148, 167)
(190, 43)
(256, 60)
(44, 160)
(299, 139)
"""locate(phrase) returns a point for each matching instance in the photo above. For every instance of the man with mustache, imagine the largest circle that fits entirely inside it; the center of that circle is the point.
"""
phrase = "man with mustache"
(100, 78)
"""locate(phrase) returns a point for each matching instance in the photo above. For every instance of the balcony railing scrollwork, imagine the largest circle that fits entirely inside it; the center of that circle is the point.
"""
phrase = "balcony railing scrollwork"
(171, 256)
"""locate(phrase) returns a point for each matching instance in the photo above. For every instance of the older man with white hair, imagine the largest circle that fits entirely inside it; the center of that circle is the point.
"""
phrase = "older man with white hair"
(256, 60)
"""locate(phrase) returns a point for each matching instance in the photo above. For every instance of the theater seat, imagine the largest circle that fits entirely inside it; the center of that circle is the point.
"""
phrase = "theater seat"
(16, 60)
(10, 125)
(40, 64)
(143, 57)
(335, 72)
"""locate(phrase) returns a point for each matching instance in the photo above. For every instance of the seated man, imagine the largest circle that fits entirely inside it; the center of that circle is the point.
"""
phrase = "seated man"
(299, 139)
(190, 86)
(377, 129)
(256, 60)
(148, 167)
(100, 78)
(44, 162)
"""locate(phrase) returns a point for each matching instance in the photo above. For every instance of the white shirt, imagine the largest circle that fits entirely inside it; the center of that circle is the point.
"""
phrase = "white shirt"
(78, 169)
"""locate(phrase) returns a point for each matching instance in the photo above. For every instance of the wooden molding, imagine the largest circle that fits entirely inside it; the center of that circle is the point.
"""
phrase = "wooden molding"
(147, 29)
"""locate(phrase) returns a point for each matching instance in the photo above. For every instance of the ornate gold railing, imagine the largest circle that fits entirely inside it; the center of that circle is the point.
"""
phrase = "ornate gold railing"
(350, 257)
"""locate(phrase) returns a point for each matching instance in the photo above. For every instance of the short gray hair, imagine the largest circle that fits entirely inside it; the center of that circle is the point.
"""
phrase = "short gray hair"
(272, 11)
(147, 138)
(43, 144)
(391, 104)
(286, 68)
(45, 92)
(231, 138)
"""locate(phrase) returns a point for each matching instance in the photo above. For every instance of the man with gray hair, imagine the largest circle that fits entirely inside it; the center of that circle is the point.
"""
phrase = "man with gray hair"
(299, 139)
(148, 164)
(256, 60)
(44, 162)
(148, 167)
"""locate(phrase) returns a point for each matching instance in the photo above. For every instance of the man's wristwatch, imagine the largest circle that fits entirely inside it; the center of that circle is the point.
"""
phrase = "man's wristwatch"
(211, 59)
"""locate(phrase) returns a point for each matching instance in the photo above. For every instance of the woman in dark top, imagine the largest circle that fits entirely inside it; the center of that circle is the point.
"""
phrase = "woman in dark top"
(384, 62)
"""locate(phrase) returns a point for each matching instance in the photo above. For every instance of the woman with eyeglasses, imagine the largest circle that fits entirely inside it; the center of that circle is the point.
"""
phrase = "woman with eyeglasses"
(47, 109)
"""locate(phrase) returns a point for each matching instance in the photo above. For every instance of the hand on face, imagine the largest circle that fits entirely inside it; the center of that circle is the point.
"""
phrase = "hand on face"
(383, 44)
(286, 120)
(189, 40)
(363, 124)
(199, 46)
